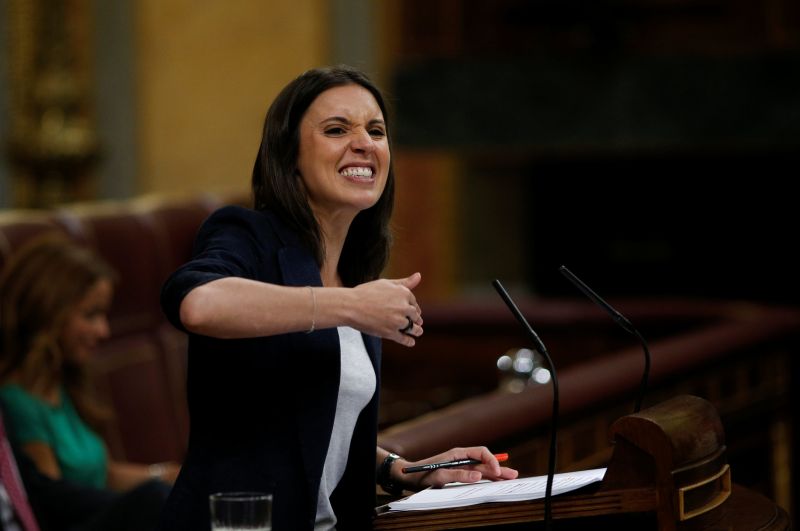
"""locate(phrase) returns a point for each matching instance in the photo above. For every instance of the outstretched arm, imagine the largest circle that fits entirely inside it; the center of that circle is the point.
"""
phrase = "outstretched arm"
(234, 307)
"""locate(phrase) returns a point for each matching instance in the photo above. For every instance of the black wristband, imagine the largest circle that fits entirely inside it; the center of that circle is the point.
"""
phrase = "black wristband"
(385, 479)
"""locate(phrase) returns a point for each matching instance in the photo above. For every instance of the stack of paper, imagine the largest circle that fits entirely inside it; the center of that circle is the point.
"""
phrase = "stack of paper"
(521, 489)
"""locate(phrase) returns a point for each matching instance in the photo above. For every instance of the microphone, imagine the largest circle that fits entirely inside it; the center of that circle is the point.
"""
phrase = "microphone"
(621, 321)
(551, 461)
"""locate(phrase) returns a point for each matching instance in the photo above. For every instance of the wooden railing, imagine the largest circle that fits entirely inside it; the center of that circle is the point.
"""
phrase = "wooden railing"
(738, 356)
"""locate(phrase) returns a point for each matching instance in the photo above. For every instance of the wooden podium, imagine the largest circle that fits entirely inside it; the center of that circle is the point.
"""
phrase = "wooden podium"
(668, 471)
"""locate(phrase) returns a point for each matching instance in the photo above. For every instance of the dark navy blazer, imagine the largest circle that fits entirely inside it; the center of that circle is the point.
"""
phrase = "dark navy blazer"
(262, 409)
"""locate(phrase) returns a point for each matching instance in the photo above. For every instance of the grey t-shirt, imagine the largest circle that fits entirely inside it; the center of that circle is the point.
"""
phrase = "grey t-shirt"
(356, 388)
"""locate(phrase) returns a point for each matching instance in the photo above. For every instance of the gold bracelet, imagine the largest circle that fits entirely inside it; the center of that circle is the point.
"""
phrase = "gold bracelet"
(313, 310)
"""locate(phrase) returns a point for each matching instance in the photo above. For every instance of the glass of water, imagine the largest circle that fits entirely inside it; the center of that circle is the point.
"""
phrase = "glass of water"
(241, 511)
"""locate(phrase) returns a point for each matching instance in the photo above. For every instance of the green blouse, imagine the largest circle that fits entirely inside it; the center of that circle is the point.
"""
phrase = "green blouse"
(80, 452)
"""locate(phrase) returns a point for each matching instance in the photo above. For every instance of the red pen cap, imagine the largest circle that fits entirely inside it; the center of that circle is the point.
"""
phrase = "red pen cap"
(501, 457)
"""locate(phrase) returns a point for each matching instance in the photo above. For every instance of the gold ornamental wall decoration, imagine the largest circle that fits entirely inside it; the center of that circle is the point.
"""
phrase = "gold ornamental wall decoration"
(52, 142)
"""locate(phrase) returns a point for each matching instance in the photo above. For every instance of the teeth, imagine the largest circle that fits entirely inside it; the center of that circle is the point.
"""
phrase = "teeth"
(356, 172)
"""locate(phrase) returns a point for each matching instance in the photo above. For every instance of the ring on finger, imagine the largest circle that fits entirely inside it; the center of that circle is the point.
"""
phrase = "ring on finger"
(407, 329)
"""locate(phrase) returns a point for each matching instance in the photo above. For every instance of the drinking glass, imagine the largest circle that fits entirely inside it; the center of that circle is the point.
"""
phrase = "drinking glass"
(241, 511)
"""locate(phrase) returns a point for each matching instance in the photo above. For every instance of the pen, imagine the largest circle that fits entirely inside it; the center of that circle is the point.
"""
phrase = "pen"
(450, 464)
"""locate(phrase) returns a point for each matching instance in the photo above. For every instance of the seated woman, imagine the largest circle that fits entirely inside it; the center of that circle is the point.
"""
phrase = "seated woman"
(54, 297)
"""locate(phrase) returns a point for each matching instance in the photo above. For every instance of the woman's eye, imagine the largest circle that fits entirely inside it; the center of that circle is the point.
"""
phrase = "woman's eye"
(334, 131)
(378, 133)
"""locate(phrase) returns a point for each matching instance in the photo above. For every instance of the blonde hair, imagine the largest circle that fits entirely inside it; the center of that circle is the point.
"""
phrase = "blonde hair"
(39, 287)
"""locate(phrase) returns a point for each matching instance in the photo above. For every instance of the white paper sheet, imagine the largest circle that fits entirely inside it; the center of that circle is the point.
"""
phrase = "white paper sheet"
(520, 489)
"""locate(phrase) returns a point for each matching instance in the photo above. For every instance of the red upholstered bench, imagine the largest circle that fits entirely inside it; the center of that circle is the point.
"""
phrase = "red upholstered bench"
(140, 370)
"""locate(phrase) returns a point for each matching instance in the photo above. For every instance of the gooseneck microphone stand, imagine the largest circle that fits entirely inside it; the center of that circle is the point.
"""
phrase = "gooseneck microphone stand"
(551, 460)
(621, 321)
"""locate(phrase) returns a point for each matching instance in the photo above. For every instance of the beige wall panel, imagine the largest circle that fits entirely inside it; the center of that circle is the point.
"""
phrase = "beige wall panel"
(207, 72)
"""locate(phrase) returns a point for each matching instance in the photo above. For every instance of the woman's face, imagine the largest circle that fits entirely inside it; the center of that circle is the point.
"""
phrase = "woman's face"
(87, 323)
(344, 152)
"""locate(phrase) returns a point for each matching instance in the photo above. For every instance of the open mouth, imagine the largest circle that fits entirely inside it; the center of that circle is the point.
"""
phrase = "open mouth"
(357, 173)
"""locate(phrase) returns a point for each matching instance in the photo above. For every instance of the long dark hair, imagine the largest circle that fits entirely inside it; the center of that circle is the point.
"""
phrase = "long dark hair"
(277, 186)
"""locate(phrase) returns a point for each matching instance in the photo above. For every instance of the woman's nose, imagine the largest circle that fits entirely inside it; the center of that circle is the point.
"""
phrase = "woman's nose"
(362, 141)
(102, 328)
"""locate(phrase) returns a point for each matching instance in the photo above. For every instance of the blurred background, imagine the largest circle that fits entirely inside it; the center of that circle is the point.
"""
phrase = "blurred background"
(648, 145)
